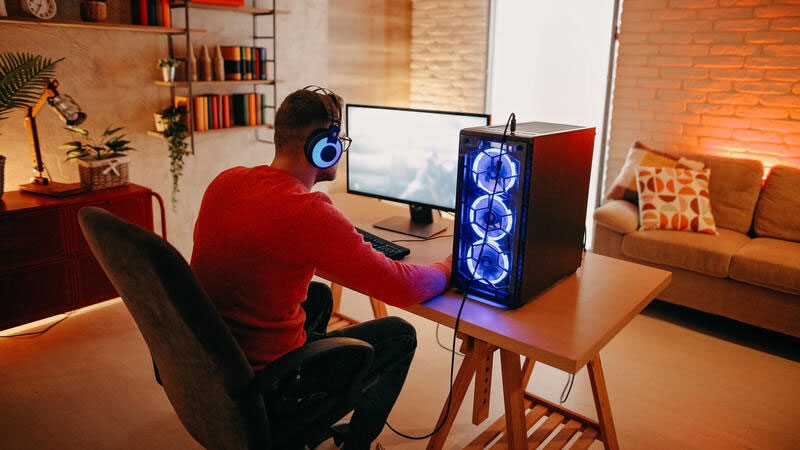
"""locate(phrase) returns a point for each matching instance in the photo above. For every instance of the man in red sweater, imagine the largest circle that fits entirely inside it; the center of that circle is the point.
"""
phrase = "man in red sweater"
(261, 235)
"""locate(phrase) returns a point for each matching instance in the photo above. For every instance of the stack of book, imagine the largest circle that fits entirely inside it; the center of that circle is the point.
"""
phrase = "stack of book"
(215, 111)
(151, 12)
(244, 63)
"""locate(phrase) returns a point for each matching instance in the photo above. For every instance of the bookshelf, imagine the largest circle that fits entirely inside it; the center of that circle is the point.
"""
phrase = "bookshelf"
(264, 88)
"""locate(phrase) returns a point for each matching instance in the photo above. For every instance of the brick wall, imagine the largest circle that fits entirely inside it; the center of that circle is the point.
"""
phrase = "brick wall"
(712, 76)
(448, 54)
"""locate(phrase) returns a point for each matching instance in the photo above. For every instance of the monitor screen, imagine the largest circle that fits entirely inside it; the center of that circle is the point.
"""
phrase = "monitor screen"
(406, 155)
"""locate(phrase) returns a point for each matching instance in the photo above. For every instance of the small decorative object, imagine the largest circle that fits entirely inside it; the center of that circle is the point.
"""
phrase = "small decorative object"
(176, 133)
(219, 65)
(41, 9)
(192, 64)
(204, 65)
(102, 164)
(94, 10)
(168, 66)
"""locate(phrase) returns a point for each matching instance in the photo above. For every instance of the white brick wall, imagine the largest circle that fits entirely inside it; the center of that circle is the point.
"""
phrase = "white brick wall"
(713, 76)
(448, 54)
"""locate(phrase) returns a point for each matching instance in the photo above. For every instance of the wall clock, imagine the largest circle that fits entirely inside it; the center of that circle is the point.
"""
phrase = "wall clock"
(42, 9)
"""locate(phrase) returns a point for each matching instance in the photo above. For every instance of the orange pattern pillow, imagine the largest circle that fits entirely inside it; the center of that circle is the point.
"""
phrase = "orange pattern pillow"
(624, 186)
(674, 199)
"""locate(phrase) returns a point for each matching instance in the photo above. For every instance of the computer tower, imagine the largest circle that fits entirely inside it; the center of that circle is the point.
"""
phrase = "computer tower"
(520, 209)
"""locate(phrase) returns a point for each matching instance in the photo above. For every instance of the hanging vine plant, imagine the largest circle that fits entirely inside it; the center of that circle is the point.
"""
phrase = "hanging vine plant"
(176, 131)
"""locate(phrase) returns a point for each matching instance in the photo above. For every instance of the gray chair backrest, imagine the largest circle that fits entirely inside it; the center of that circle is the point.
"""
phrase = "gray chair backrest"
(204, 372)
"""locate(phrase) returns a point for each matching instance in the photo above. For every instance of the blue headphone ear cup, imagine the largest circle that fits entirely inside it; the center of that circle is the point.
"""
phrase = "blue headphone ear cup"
(322, 150)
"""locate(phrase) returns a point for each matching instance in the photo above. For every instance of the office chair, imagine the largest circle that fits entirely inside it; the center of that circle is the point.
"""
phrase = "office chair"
(222, 403)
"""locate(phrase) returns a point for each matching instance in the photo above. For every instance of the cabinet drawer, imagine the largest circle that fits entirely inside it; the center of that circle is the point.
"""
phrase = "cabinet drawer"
(28, 238)
(136, 209)
(34, 293)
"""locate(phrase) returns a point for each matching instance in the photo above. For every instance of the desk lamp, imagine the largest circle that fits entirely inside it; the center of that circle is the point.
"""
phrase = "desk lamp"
(71, 113)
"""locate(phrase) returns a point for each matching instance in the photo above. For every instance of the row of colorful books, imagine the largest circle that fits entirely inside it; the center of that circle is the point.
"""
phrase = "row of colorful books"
(215, 111)
(151, 12)
(244, 63)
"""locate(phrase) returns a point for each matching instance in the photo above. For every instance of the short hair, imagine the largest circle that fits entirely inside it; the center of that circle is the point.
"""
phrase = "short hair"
(301, 110)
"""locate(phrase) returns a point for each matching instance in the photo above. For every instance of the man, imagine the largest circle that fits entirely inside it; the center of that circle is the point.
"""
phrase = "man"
(261, 235)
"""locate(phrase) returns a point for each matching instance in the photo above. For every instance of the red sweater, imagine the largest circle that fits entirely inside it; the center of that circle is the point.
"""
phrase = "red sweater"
(259, 238)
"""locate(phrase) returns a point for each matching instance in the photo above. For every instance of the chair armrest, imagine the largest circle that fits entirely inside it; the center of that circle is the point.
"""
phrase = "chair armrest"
(319, 357)
(621, 216)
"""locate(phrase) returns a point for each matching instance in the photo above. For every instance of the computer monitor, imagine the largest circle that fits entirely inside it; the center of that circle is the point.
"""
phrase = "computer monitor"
(409, 156)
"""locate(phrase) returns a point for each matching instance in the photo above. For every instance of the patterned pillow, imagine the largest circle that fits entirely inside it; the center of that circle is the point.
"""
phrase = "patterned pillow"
(675, 199)
(624, 186)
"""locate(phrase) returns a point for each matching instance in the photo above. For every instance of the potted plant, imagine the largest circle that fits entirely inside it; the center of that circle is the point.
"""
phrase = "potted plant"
(94, 10)
(168, 66)
(102, 164)
(176, 131)
(22, 81)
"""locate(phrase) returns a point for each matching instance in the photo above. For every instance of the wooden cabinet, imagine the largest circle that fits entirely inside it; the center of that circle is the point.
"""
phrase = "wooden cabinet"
(46, 266)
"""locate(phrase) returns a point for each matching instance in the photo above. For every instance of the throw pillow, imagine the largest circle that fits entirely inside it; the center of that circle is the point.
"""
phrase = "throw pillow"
(778, 210)
(674, 199)
(624, 186)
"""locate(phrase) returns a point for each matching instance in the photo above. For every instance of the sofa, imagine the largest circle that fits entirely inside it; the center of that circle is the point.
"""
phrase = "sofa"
(732, 242)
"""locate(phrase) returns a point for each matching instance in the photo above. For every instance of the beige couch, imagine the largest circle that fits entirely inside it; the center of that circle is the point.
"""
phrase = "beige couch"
(749, 271)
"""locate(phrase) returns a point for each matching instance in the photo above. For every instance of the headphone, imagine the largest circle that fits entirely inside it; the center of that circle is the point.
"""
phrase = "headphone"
(323, 147)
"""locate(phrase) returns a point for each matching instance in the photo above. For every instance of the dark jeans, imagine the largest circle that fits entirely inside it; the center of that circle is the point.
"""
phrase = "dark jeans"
(394, 341)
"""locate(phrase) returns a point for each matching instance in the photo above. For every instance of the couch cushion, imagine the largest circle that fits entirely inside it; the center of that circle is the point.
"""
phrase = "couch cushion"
(675, 199)
(778, 210)
(735, 186)
(770, 263)
(703, 253)
(624, 186)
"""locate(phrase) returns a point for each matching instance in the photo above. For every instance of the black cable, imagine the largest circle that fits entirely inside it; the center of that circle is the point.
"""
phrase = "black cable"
(512, 122)
(567, 388)
(439, 342)
(40, 332)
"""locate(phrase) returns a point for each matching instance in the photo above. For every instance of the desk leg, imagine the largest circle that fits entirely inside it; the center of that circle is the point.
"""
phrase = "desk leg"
(336, 290)
(514, 396)
(475, 352)
(378, 308)
(598, 382)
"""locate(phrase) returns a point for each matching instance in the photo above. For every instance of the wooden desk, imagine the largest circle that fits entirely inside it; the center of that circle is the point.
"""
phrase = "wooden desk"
(564, 327)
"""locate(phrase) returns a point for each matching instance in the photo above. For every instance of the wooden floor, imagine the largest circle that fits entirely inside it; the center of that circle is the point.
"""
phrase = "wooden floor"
(87, 384)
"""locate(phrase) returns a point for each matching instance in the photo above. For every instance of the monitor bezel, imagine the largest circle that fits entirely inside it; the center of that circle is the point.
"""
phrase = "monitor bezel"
(488, 118)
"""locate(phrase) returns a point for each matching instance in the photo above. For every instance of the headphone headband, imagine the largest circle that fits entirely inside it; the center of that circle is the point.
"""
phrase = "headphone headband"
(323, 147)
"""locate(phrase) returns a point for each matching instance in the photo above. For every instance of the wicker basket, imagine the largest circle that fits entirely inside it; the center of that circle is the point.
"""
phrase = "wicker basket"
(2, 174)
(104, 173)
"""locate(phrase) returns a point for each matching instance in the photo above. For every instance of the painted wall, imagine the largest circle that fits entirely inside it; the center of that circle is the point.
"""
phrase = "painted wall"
(110, 74)
(711, 76)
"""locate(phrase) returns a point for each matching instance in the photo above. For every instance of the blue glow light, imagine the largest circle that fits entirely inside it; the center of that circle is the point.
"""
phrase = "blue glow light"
(485, 171)
(487, 262)
(493, 224)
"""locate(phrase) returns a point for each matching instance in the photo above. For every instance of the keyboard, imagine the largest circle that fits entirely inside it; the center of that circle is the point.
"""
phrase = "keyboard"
(388, 248)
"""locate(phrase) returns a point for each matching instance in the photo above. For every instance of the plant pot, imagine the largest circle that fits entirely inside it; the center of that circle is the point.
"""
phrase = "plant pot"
(92, 11)
(103, 173)
(168, 73)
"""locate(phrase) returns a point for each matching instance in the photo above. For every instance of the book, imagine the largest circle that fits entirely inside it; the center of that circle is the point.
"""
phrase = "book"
(251, 109)
(232, 57)
(247, 74)
(166, 13)
(262, 59)
(226, 111)
(152, 12)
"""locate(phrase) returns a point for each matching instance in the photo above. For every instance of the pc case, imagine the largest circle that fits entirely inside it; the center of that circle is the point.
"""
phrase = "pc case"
(520, 209)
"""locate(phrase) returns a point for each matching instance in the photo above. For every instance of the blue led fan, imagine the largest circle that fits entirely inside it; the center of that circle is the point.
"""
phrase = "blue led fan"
(487, 262)
(490, 217)
(488, 177)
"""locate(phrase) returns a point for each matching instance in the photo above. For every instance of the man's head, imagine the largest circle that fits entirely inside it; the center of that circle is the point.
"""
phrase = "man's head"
(301, 114)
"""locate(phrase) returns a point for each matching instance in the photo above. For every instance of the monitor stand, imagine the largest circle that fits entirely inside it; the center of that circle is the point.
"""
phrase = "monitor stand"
(420, 224)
